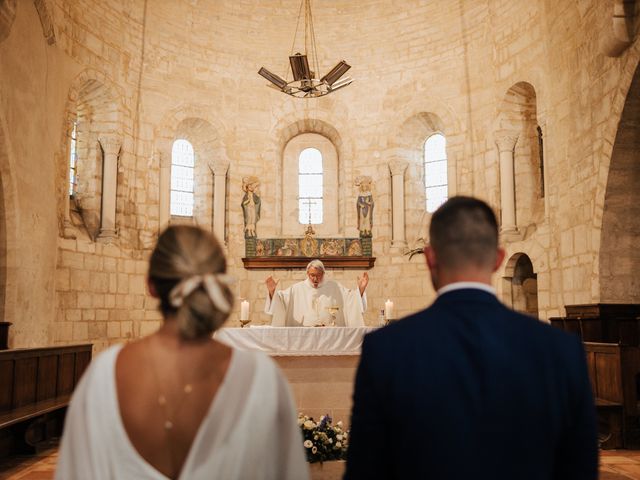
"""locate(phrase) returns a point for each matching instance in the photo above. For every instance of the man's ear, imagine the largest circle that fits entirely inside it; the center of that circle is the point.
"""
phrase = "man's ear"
(430, 255)
(152, 288)
(500, 254)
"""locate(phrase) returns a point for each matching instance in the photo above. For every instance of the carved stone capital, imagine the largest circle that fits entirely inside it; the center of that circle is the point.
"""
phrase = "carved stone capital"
(219, 168)
(111, 144)
(506, 140)
(162, 159)
(398, 166)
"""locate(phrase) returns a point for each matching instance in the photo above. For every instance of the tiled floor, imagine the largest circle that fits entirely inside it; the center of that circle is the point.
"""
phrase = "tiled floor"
(615, 465)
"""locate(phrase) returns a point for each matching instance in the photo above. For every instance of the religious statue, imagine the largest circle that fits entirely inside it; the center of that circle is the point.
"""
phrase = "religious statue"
(250, 205)
(364, 205)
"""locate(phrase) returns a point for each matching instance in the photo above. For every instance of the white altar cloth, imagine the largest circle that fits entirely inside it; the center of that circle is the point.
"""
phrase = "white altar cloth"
(296, 341)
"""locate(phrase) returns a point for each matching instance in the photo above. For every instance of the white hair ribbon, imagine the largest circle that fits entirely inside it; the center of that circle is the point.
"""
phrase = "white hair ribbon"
(211, 283)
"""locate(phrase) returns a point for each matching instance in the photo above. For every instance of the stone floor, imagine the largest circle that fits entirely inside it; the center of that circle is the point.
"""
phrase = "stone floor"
(615, 465)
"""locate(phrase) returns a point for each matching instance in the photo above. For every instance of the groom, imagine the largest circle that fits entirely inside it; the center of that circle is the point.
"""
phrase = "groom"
(469, 389)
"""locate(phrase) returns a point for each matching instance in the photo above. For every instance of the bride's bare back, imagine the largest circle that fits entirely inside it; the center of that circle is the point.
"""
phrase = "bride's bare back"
(165, 388)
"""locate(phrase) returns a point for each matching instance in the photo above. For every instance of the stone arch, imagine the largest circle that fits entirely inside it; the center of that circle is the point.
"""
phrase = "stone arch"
(619, 261)
(289, 206)
(604, 153)
(518, 115)
(283, 133)
(198, 125)
(420, 114)
(409, 144)
(94, 102)
(9, 227)
(7, 16)
(201, 134)
(521, 284)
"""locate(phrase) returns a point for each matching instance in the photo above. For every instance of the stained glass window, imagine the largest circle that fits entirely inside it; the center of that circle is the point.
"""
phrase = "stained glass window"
(182, 163)
(310, 191)
(435, 171)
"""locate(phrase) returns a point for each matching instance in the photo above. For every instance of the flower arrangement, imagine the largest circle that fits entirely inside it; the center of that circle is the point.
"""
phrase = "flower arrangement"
(323, 441)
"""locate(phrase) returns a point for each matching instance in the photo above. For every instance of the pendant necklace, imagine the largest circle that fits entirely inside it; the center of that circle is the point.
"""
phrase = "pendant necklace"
(170, 414)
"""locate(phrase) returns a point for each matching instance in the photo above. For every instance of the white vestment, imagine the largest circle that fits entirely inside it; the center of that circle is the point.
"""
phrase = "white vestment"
(303, 305)
(250, 430)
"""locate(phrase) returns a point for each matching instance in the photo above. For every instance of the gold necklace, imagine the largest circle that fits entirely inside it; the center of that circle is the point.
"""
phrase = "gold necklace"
(169, 414)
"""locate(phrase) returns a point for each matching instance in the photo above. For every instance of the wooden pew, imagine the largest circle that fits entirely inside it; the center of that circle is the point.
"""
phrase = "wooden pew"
(35, 388)
(602, 322)
(614, 371)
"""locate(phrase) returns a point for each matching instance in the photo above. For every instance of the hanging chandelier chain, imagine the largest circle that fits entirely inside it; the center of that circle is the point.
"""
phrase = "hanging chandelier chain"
(295, 35)
(314, 50)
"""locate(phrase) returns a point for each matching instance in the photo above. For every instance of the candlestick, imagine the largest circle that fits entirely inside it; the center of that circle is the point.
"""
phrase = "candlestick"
(244, 310)
(388, 310)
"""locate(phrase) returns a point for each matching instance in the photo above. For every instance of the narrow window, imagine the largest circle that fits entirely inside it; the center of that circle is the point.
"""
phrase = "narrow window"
(435, 171)
(73, 160)
(182, 163)
(541, 160)
(310, 186)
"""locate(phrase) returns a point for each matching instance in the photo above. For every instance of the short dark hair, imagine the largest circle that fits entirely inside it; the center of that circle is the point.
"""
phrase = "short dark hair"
(464, 232)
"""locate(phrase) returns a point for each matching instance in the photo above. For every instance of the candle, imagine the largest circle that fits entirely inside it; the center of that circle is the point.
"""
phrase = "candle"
(244, 310)
(388, 309)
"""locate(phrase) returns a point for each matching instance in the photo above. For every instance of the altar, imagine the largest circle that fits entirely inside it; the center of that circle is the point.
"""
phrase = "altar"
(319, 362)
(296, 341)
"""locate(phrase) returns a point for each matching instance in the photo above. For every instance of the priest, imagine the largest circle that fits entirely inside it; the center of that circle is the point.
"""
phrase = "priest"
(316, 301)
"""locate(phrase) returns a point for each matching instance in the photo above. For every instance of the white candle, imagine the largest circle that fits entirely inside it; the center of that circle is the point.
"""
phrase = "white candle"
(244, 310)
(388, 309)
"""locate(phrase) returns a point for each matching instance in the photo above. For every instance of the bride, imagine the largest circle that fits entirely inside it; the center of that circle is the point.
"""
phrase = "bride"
(178, 404)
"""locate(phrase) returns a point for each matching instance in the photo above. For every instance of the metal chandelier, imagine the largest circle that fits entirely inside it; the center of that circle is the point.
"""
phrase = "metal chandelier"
(305, 82)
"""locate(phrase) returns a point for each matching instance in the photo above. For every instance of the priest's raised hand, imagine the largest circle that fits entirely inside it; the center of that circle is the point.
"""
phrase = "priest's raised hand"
(363, 281)
(271, 283)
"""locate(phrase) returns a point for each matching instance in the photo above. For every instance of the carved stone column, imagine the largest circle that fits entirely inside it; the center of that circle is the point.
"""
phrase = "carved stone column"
(164, 188)
(397, 167)
(67, 225)
(506, 142)
(111, 147)
(219, 199)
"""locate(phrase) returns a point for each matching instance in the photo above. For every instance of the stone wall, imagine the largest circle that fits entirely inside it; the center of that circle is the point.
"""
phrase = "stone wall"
(147, 73)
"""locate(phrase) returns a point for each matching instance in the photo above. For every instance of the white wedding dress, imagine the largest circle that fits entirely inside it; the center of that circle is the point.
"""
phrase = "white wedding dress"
(249, 432)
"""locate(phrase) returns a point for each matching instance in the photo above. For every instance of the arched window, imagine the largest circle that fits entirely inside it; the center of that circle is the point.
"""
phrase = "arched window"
(435, 171)
(73, 159)
(182, 163)
(310, 192)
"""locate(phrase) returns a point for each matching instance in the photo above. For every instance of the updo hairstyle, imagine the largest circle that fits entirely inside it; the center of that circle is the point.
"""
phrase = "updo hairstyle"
(184, 251)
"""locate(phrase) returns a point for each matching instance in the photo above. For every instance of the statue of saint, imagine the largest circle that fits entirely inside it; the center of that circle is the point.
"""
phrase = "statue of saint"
(364, 205)
(250, 205)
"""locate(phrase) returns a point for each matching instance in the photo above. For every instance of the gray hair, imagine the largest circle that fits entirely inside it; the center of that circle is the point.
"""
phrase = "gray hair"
(315, 264)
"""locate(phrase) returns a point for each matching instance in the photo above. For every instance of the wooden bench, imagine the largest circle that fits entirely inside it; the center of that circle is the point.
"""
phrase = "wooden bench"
(35, 388)
(614, 371)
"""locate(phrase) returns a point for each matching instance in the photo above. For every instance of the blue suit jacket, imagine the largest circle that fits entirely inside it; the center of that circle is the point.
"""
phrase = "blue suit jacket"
(469, 389)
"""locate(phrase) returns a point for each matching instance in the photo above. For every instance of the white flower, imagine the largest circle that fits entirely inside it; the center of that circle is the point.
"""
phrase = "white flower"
(331, 440)
(309, 425)
(339, 437)
(339, 423)
(314, 450)
(308, 443)
(315, 437)
(338, 445)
